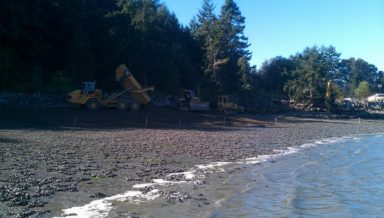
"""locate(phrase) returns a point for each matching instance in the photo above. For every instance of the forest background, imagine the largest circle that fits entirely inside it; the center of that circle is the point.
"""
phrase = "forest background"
(51, 46)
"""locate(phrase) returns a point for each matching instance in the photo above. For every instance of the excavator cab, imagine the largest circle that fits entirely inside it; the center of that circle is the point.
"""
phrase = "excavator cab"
(225, 103)
(89, 87)
(189, 101)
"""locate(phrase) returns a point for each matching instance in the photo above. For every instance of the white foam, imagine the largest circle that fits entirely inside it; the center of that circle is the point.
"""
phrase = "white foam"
(308, 145)
(143, 185)
(160, 182)
(101, 208)
(327, 141)
(258, 159)
(290, 151)
(264, 158)
(278, 151)
(213, 165)
(188, 175)
(219, 202)
(164, 182)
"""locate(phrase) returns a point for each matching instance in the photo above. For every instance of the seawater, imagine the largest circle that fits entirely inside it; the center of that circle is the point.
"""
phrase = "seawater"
(341, 179)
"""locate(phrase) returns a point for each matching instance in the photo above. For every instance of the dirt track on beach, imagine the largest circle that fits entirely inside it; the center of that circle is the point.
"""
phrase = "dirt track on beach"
(60, 158)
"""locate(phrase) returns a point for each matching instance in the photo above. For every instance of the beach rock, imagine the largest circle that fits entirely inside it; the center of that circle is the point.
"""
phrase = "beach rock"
(10, 213)
(176, 196)
(130, 179)
(43, 191)
(147, 189)
(108, 173)
(36, 203)
(25, 213)
(98, 195)
(176, 177)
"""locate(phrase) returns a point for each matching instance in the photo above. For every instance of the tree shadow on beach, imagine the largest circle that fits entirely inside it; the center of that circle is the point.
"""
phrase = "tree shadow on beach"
(152, 117)
(57, 119)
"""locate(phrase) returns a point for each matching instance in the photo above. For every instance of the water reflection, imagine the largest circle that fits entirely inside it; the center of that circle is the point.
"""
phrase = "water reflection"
(344, 179)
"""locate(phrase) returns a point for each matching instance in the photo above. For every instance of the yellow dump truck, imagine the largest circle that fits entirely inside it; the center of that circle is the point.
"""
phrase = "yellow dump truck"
(132, 96)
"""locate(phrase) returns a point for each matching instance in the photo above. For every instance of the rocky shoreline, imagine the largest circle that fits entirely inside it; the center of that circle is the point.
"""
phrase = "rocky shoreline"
(12, 99)
(45, 171)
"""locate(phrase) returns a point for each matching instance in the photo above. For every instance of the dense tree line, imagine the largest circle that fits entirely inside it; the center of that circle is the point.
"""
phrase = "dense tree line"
(318, 76)
(54, 45)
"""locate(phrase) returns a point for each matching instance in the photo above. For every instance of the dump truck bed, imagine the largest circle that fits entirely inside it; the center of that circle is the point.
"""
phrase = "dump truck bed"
(128, 81)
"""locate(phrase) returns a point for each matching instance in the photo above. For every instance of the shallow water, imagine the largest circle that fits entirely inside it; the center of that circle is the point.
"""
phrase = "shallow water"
(344, 179)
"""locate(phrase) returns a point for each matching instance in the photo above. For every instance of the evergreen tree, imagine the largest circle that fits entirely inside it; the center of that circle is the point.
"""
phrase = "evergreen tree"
(275, 73)
(232, 49)
(317, 76)
(309, 83)
(363, 90)
(155, 46)
(204, 29)
(330, 60)
(85, 40)
(359, 70)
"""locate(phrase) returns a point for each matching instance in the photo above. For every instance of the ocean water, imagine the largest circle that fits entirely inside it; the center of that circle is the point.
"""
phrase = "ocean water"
(340, 179)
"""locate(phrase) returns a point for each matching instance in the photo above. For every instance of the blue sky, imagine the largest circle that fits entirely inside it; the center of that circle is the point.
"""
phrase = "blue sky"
(285, 27)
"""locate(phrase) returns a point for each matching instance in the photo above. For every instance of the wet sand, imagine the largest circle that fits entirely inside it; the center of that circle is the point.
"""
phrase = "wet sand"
(45, 170)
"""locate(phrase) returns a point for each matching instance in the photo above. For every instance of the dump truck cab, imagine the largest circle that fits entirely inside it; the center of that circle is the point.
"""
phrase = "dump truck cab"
(88, 96)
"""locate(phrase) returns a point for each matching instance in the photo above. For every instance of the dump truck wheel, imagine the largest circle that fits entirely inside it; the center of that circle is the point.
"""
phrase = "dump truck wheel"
(93, 105)
(122, 105)
(134, 105)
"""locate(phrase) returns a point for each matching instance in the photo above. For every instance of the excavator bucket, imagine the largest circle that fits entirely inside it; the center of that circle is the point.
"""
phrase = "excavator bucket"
(128, 82)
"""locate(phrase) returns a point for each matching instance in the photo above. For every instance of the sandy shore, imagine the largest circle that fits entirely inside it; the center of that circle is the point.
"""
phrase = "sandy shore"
(46, 170)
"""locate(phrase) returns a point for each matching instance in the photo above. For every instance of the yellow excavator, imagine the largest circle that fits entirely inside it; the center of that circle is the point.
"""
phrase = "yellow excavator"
(190, 102)
(224, 103)
(132, 96)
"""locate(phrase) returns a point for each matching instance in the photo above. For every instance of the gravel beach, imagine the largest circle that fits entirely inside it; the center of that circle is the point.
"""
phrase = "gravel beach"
(45, 168)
